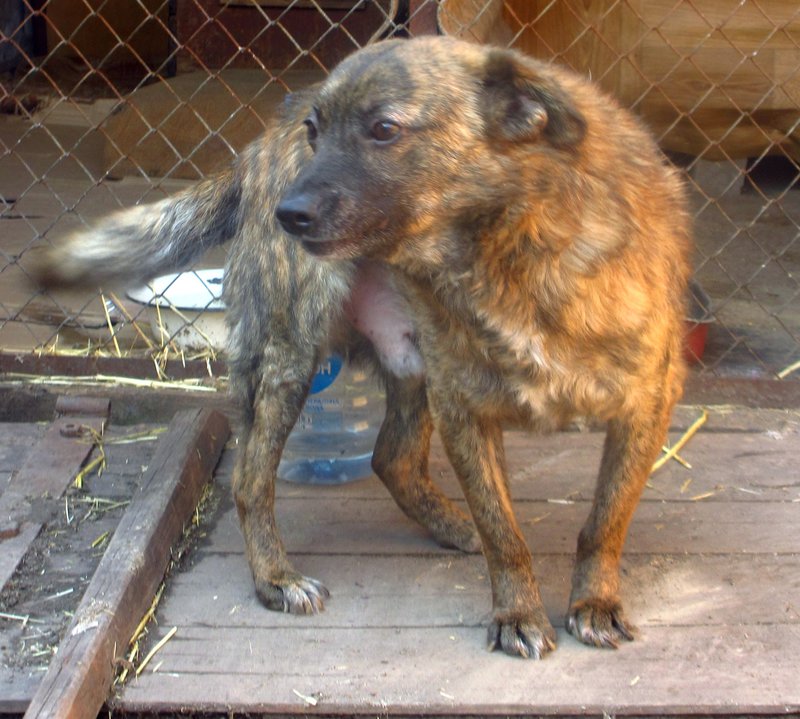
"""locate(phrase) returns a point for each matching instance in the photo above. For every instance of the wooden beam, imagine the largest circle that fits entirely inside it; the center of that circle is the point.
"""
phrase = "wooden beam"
(138, 367)
(742, 392)
(79, 678)
(22, 402)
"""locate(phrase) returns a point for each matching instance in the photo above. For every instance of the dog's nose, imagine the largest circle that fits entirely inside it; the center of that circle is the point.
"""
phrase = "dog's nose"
(298, 215)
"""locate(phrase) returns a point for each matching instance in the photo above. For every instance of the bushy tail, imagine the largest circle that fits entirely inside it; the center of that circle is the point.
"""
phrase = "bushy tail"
(136, 244)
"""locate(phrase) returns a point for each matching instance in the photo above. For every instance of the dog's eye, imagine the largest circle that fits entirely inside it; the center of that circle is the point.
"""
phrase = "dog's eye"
(384, 131)
(311, 130)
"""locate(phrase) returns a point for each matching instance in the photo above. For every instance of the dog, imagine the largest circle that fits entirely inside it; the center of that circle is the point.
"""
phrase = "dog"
(501, 239)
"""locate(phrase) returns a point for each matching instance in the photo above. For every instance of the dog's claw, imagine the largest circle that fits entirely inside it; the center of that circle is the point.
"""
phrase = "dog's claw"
(599, 623)
(294, 594)
(521, 638)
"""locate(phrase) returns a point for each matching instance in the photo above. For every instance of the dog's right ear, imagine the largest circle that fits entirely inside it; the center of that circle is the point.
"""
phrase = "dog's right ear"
(521, 106)
(295, 104)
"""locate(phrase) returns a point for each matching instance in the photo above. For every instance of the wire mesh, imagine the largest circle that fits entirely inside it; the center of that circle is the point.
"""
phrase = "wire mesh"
(107, 103)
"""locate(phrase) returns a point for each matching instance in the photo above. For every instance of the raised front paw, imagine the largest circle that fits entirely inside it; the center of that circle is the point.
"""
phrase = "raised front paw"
(523, 636)
(599, 623)
(293, 593)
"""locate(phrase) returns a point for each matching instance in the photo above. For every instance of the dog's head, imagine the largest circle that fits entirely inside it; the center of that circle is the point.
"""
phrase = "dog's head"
(413, 139)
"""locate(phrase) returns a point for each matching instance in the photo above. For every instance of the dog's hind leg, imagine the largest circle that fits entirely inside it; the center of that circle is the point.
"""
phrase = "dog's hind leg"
(281, 386)
(632, 444)
(400, 460)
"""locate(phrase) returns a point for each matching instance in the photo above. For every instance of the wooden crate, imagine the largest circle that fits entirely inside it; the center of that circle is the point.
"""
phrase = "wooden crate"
(718, 79)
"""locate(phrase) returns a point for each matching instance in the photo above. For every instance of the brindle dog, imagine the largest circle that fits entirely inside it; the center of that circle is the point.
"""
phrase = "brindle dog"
(494, 221)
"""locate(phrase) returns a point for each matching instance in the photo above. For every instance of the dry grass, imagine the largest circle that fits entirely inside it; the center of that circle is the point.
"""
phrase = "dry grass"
(672, 452)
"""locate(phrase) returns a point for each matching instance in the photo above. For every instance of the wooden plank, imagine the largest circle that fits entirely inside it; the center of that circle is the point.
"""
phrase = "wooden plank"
(759, 466)
(59, 565)
(377, 526)
(446, 670)
(61, 365)
(130, 405)
(79, 677)
(16, 441)
(402, 612)
(757, 447)
(712, 585)
(16, 690)
(747, 479)
(14, 545)
(50, 467)
(702, 389)
(399, 591)
(746, 27)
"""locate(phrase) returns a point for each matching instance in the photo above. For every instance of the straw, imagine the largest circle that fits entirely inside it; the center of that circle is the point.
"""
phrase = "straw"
(699, 422)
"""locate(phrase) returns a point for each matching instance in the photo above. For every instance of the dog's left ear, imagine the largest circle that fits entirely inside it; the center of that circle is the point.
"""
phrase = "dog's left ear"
(520, 106)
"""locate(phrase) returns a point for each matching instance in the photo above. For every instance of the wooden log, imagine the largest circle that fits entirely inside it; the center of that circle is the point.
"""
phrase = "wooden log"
(80, 675)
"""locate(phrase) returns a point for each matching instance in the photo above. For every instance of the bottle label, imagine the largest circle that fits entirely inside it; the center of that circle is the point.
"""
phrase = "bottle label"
(326, 374)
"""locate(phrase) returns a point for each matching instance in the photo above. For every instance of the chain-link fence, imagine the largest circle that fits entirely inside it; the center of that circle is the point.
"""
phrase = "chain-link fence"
(106, 103)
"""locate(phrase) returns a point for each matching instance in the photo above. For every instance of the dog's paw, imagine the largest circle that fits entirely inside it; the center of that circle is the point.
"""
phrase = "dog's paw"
(458, 533)
(522, 637)
(294, 594)
(599, 623)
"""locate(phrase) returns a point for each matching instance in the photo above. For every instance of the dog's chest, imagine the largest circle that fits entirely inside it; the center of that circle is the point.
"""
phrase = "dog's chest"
(496, 358)
(480, 360)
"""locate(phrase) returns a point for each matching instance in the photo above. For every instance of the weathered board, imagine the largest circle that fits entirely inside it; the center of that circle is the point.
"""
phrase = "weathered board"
(16, 442)
(79, 676)
(46, 472)
(42, 595)
(711, 578)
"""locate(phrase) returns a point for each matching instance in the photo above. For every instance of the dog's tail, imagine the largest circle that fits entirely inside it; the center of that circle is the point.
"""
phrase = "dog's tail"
(136, 244)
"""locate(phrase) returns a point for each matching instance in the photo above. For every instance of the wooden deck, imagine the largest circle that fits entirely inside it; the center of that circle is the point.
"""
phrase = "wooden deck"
(711, 577)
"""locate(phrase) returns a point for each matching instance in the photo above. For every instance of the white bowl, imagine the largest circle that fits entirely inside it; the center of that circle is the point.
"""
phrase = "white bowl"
(185, 308)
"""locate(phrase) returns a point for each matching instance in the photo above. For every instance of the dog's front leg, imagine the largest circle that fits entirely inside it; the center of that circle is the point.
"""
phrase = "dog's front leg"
(277, 401)
(632, 444)
(475, 447)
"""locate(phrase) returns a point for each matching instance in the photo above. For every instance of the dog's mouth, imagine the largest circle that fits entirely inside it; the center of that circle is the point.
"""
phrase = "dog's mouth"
(324, 248)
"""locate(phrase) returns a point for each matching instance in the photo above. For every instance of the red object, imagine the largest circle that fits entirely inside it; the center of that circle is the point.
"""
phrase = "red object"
(695, 342)
(699, 317)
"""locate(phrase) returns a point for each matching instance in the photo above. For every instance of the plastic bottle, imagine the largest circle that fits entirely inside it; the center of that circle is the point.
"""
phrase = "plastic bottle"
(333, 439)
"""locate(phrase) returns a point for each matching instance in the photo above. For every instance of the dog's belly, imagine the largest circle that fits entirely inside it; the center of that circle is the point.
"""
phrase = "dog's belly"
(379, 312)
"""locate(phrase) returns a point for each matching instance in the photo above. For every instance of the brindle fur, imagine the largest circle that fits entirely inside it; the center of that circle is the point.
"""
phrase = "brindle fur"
(284, 314)
(541, 244)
